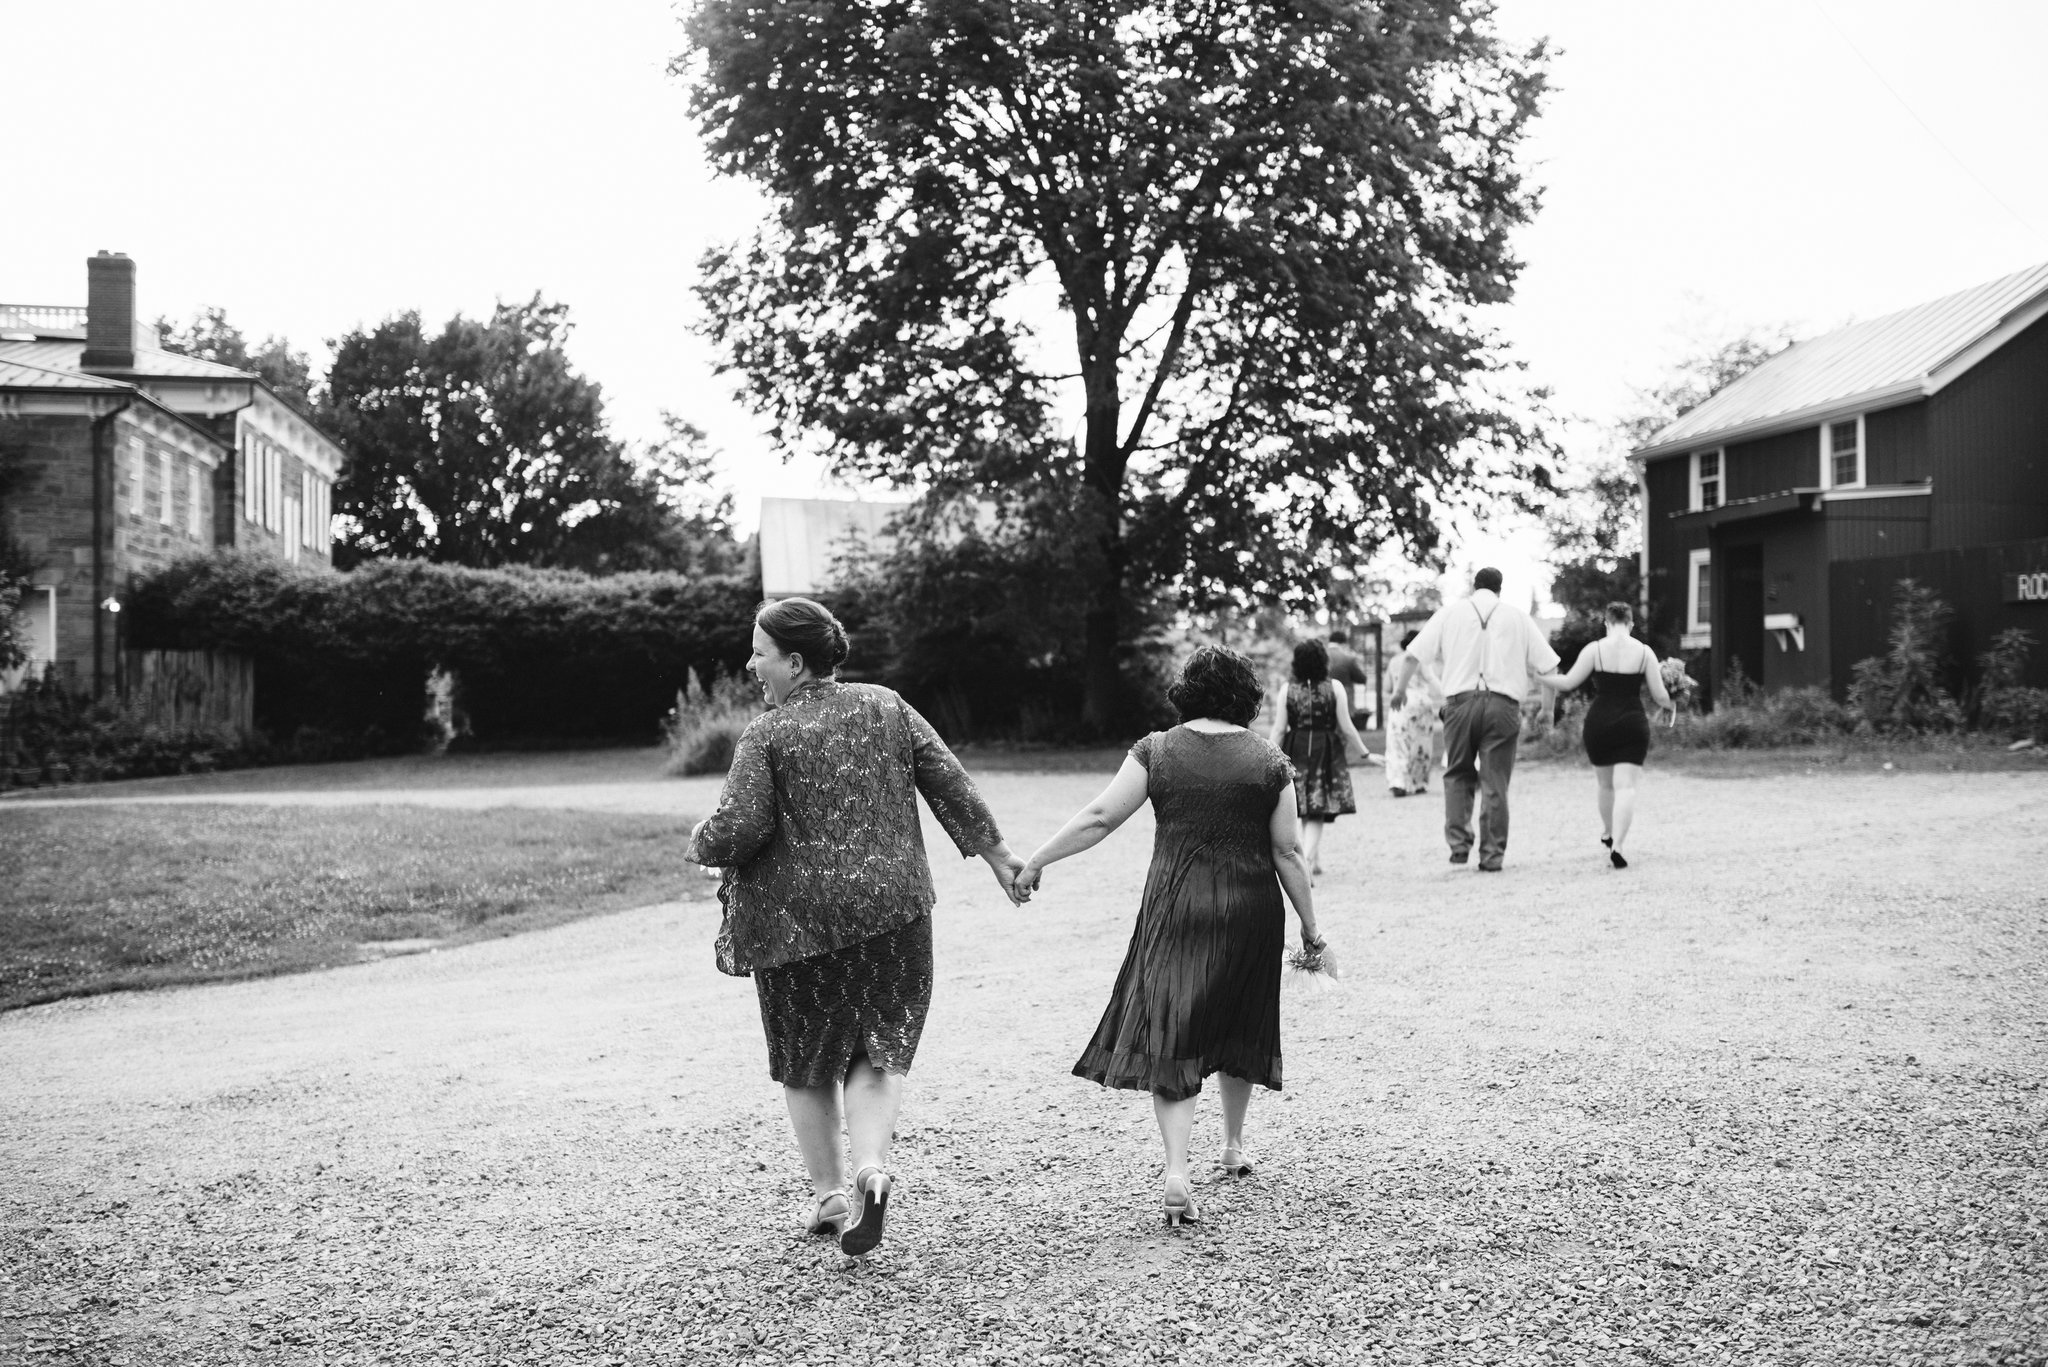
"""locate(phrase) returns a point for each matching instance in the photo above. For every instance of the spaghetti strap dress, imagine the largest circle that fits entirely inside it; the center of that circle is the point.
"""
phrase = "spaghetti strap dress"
(1315, 747)
(1199, 991)
(1617, 728)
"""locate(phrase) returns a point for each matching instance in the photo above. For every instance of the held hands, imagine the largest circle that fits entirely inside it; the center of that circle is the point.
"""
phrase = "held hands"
(1007, 868)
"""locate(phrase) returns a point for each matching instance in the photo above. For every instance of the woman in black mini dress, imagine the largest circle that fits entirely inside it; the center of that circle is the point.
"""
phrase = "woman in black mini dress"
(1617, 729)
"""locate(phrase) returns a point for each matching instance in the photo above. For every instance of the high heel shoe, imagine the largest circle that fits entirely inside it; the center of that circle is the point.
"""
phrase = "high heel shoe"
(829, 1214)
(1614, 858)
(1234, 1163)
(865, 1232)
(1179, 1205)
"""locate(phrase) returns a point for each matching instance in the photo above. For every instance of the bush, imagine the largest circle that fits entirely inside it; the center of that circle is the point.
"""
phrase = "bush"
(1904, 689)
(1793, 716)
(2005, 705)
(55, 734)
(702, 730)
(538, 654)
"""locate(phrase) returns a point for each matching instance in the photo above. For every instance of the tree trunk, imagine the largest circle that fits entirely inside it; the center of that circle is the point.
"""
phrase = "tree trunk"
(1102, 476)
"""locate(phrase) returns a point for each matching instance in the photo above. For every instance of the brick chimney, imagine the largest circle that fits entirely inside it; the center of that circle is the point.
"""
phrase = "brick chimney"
(109, 312)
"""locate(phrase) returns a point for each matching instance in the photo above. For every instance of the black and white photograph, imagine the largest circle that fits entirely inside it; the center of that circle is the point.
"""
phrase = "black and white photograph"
(1024, 683)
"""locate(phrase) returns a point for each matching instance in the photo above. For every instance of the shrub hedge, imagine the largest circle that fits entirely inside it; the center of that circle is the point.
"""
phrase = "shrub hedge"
(342, 659)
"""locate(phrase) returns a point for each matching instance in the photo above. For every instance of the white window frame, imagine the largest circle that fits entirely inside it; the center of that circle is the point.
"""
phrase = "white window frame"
(1695, 561)
(1827, 454)
(194, 503)
(164, 515)
(1696, 500)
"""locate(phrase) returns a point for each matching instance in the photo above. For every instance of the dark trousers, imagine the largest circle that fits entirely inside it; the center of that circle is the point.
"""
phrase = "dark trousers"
(1480, 731)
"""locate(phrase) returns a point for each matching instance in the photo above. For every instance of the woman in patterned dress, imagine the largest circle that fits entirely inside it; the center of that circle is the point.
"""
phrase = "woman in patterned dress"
(1412, 736)
(1199, 992)
(1312, 726)
(828, 897)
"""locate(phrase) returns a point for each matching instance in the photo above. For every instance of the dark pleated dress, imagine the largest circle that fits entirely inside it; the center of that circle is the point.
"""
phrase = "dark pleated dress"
(1315, 747)
(1199, 992)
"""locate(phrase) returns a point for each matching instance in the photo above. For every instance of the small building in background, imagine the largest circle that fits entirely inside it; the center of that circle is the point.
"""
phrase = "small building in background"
(124, 457)
(1780, 514)
(804, 539)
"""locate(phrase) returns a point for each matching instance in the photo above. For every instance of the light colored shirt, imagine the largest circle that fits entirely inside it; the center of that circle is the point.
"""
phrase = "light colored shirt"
(1482, 643)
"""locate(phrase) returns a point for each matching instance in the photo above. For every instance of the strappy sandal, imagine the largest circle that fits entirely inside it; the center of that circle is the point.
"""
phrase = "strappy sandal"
(829, 1214)
(865, 1232)
(1179, 1205)
(1234, 1163)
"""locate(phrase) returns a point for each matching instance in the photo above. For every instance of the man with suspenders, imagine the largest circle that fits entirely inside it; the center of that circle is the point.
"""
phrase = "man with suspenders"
(1486, 652)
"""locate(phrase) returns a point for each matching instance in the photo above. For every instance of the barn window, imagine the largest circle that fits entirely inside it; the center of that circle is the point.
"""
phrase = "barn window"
(1706, 480)
(1699, 592)
(1841, 454)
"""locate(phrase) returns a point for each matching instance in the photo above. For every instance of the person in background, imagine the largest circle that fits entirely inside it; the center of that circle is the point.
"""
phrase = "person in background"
(1413, 731)
(828, 897)
(1312, 727)
(1485, 653)
(1617, 730)
(1349, 669)
(1199, 992)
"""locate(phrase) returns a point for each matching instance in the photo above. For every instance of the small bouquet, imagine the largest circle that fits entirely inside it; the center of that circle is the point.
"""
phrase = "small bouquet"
(1677, 683)
(1314, 966)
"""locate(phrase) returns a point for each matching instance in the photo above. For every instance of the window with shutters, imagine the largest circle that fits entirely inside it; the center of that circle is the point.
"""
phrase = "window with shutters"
(1707, 480)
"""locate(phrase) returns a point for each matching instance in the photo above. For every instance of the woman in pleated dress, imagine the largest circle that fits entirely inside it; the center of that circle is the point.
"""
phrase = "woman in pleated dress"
(1199, 992)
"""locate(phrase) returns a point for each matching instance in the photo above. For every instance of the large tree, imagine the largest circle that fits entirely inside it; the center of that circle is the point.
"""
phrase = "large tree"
(481, 445)
(1269, 226)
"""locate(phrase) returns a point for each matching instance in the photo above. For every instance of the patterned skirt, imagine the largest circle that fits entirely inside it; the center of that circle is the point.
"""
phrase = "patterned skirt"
(868, 999)
(1322, 779)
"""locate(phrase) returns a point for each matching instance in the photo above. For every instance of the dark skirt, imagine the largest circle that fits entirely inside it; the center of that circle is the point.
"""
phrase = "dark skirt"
(1199, 992)
(868, 999)
(1616, 733)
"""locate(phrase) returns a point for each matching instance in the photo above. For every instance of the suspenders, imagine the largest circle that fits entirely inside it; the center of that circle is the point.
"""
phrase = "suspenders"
(1485, 641)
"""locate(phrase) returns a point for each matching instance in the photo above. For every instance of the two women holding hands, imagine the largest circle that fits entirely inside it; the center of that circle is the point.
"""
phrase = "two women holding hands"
(828, 897)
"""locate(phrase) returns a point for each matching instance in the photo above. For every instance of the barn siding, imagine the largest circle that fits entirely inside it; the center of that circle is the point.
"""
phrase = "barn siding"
(1988, 434)
(1669, 483)
(1771, 465)
(1895, 445)
(1967, 578)
(1869, 528)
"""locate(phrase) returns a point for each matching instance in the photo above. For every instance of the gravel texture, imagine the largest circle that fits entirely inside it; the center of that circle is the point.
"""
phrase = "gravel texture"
(1771, 1096)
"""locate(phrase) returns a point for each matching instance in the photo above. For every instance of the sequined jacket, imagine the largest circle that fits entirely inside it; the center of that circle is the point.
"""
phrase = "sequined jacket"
(817, 826)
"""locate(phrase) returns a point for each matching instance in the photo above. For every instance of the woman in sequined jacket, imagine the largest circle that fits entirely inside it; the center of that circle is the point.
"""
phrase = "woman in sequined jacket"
(828, 897)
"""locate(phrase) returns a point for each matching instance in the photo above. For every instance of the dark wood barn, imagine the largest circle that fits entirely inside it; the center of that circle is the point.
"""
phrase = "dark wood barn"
(1779, 514)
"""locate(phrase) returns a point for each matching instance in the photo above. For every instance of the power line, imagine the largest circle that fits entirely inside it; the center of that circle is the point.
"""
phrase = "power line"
(1926, 127)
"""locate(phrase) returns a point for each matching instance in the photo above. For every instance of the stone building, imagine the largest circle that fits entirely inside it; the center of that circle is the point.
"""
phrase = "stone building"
(122, 457)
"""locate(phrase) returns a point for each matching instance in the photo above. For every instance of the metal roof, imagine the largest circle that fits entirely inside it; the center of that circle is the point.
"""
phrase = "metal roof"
(155, 365)
(1890, 360)
(20, 375)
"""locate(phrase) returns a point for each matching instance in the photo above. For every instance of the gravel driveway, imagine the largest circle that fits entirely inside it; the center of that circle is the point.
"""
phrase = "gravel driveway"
(1772, 1096)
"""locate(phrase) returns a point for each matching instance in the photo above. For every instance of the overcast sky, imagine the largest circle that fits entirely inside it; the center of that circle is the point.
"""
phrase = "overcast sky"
(1707, 167)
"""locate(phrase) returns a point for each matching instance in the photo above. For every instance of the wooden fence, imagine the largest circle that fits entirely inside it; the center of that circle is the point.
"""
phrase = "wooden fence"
(190, 689)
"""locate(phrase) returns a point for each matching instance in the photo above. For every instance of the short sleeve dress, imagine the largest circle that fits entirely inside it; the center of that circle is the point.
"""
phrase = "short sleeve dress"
(1199, 991)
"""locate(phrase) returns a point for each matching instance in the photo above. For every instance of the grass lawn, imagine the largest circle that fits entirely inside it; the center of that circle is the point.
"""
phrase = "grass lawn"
(104, 899)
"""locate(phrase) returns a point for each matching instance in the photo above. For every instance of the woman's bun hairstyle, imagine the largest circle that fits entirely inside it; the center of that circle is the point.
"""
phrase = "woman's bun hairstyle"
(802, 626)
(1621, 614)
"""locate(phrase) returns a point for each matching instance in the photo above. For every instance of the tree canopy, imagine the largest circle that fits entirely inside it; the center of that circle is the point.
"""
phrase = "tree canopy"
(481, 445)
(1269, 227)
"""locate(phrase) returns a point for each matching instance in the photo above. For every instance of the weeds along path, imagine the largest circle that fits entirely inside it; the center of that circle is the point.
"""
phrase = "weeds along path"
(1772, 1094)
